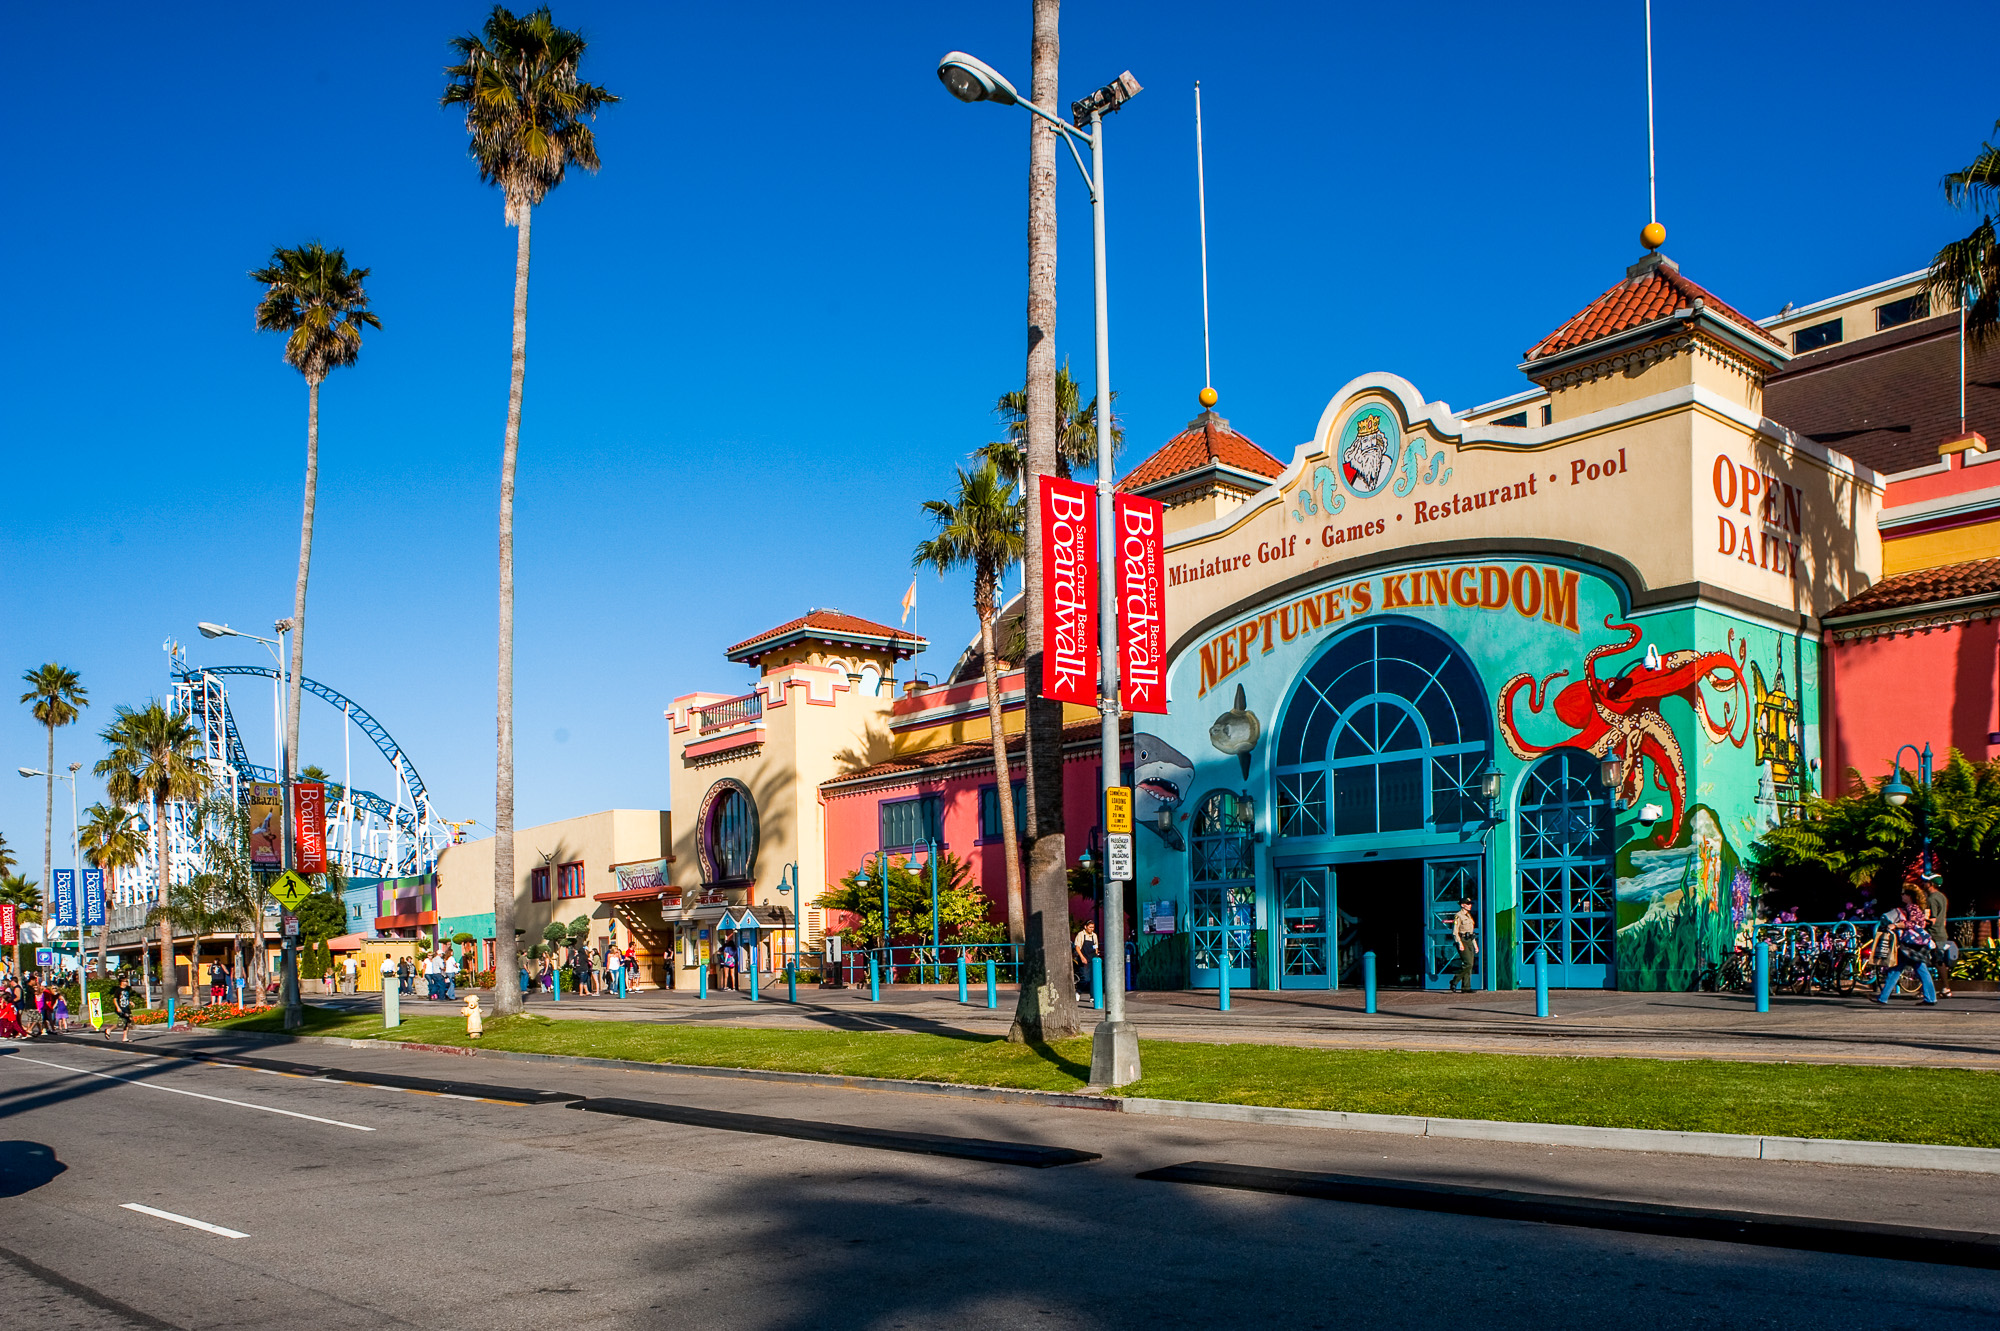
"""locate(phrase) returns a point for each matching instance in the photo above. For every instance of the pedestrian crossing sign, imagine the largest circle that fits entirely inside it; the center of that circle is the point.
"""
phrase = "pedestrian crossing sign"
(97, 1012)
(290, 890)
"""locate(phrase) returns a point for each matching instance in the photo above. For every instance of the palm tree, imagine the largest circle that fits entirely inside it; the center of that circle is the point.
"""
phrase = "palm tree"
(110, 839)
(525, 109)
(195, 908)
(318, 303)
(1968, 270)
(982, 529)
(22, 894)
(1076, 430)
(57, 695)
(1047, 1006)
(153, 761)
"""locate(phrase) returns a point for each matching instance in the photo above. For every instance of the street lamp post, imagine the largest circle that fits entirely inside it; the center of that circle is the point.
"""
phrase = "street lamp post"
(1898, 793)
(288, 944)
(76, 866)
(881, 874)
(1114, 1045)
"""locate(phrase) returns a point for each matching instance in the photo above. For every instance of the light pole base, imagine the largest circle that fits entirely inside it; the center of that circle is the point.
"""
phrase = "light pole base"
(1114, 1054)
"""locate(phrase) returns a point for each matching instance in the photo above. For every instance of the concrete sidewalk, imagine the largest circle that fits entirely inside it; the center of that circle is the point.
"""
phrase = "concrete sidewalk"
(1961, 1032)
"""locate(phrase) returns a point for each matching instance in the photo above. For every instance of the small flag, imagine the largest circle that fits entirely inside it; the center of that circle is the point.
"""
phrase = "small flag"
(909, 600)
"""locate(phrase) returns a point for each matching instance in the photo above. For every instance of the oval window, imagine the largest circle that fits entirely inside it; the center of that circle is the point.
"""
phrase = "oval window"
(729, 833)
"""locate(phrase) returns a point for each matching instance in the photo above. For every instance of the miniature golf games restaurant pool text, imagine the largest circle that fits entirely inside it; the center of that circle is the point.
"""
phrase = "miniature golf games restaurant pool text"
(1558, 656)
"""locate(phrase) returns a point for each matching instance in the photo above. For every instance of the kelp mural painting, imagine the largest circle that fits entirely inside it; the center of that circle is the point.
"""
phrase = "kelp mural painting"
(1620, 715)
(1676, 905)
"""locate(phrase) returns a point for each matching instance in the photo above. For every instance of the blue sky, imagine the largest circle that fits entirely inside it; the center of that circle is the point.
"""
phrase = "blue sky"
(781, 313)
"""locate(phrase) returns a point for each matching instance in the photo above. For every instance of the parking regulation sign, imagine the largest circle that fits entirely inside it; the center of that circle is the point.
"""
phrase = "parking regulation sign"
(1118, 856)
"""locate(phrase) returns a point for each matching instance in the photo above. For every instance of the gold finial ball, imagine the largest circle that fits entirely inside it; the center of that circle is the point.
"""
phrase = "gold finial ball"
(1207, 396)
(1652, 235)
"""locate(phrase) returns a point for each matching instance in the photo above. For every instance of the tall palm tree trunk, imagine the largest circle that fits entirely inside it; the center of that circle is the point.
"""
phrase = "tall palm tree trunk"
(1003, 771)
(259, 969)
(506, 970)
(299, 592)
(169, 982)
(1047, 1006)
(48, 833)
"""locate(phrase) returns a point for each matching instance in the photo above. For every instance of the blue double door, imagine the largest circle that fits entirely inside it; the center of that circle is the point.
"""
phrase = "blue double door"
(1327, 915)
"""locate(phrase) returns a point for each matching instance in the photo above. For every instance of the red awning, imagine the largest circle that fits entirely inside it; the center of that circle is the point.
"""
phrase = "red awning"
(641, 894)
(405, 921)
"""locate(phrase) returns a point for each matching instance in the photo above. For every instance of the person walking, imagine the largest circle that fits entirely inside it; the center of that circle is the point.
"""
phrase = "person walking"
(404, 974)
(1938, 905)
(121, 1008)
(1909, 949)
(729, 963)
(353, 969)
(1083, 951)
(1465, 936)
(612, 963)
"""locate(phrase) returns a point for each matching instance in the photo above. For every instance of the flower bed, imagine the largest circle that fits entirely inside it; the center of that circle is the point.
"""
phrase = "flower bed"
(194, 1016)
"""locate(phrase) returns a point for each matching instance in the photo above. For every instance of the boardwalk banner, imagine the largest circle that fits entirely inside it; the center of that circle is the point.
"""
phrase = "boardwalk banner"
(65, 893)
(1139, 548)
(309, 847)
(10, 929)
(93, 898)
(1069, 592)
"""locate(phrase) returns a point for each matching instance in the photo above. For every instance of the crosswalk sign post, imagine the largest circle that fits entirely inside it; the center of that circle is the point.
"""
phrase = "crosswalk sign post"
(290, 890)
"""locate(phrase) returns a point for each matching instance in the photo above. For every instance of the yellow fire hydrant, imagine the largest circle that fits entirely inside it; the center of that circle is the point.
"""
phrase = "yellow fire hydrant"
(471, 1011)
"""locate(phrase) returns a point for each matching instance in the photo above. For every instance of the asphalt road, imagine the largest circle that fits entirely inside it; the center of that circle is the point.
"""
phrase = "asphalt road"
(371, 1207)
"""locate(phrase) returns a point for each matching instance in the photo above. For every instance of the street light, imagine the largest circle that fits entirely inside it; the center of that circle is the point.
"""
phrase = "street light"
(1114, 1046)
(75, 860)
(288, 945)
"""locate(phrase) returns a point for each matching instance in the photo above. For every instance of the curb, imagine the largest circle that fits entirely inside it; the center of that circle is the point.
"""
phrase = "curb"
(1809, 1150)
(1739, 1146)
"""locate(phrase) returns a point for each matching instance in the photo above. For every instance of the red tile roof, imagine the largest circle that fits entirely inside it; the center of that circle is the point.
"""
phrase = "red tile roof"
(832, 623)
(1207, 439)
(1925, 586)
(1075, 734)
(1651, 291)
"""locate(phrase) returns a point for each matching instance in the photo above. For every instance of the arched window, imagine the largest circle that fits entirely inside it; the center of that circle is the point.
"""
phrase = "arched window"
(1222, 897)
(728, 840)
(1387, 732)
(1568, 889)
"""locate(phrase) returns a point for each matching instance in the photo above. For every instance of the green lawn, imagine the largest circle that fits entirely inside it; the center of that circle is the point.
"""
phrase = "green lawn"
(1937, 1105)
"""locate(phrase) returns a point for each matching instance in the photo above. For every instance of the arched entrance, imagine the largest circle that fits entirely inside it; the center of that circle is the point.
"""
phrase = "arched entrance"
(1222, 891)
(1568, 886)
(1377, 769)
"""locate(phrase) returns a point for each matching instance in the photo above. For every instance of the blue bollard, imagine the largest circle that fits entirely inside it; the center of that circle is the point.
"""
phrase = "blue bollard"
(170, 1011)
(621, 982)
(1763, 975)
(1541, 982)
(703, 972)
(1223, 994)
(753, 979)
(1097, 983)
(557, 991)
(992, 988)
(874, 981)
(792, 980)
(961, 978)
(1368, 982)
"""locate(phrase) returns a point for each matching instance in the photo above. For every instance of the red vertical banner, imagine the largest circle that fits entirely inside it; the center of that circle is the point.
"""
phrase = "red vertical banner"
(1069, 591)
(309, 845)
(10, 930)
(1139, 547)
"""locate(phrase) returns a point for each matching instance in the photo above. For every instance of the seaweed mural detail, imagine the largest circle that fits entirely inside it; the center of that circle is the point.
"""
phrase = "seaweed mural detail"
(1619, 715)
(1677, 905)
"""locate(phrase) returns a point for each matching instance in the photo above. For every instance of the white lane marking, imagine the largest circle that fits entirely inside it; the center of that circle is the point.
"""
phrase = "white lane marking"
(174, 1090)
(188, 1220)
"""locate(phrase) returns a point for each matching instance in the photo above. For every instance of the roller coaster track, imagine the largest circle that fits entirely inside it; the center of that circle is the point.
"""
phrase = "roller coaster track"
(409, 819)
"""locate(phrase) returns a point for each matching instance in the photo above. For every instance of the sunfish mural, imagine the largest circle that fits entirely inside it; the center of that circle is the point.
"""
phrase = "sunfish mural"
(1620, 715)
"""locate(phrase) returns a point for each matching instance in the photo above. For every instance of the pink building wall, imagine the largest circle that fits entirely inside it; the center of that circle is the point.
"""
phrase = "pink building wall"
(1933, 686)
(853, 822)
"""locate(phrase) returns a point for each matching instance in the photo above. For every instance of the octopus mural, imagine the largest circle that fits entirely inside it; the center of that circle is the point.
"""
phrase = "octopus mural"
(1619, 715)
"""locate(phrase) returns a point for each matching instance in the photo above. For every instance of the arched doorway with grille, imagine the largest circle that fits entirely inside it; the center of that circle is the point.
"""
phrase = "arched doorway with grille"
(1568, 896)
(1379, 817)
(1222, 891)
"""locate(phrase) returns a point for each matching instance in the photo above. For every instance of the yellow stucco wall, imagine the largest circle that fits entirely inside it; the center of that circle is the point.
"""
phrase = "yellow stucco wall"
(599, 840)
(1954, 545)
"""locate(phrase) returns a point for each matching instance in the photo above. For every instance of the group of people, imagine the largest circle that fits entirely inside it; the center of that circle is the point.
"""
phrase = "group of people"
(31, 1006)
(1912, 937)
(583, 970)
